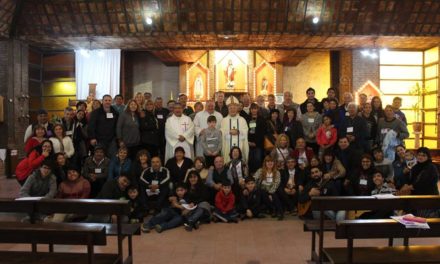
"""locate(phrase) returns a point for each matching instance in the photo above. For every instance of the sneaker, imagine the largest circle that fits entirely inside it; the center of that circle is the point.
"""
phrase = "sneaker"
(188, 227)
(158, 228)
(197, 225)
(145, 228)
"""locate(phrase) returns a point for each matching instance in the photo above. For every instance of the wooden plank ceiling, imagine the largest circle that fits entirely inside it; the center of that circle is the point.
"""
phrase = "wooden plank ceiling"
(227, 24)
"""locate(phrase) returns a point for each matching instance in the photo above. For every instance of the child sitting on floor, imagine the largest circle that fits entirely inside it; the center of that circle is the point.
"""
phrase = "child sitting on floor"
(250, 201)
(225, 204)
(172, 216)
(138, 208)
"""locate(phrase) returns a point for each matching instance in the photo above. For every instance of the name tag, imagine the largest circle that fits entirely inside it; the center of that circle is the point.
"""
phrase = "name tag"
(155, 182)
(211, 146)
(69, 133)
(384, 130)
(98, 170)
(363, 182)
(252, 125)
(269, 180)
(109, 115)
(286, 129)
(159, 116)
(349, 129)
(310, 120)
(347, 114)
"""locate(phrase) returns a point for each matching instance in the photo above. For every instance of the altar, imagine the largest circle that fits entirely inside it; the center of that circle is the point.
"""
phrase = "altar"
(233, 72)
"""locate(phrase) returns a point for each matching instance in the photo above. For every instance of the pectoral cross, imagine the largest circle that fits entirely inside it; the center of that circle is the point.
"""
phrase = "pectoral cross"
(184, 125)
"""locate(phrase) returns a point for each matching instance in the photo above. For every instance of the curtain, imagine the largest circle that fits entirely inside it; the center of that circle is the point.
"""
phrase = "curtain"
(97, 66)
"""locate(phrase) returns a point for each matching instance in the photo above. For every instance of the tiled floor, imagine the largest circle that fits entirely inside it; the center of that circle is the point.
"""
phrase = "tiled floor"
(251, 242)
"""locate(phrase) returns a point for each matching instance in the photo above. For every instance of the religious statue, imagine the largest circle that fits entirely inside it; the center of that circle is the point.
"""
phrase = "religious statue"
(264, 86)
(229, 73)
(198, 87)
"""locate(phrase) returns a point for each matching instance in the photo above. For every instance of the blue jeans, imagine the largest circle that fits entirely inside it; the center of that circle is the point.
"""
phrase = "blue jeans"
(228, 216)
(193, 216)
(332, 215)
(167, 218)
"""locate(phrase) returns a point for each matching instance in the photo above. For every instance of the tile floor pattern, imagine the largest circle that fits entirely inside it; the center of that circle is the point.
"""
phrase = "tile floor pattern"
(262, 241)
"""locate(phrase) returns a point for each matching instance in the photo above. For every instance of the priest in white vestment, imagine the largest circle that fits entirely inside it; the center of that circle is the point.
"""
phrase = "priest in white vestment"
(179, 132)
(235, 133)
(201, 123)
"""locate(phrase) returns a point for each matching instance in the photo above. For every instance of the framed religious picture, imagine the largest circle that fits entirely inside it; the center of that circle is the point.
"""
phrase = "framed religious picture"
(197, 87)
(265, 78)
(231, 71)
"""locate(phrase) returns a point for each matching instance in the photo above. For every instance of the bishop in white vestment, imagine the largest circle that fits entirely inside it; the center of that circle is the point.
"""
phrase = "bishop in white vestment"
(235, 133)
(201, 123)
(179, 132)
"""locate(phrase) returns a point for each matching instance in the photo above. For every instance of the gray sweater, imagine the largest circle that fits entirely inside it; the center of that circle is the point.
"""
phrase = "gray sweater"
(127, 129)
(383, 126)
(310, 123)
(37, 186)
(211, 140)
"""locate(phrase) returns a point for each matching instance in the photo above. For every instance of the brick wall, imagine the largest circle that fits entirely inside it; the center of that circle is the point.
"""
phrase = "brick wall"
(364, 69)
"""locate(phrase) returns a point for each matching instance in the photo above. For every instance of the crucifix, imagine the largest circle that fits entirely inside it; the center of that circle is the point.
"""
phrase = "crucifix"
(185, 124)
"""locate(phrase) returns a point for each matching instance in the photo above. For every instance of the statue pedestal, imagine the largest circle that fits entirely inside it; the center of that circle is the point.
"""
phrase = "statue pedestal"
(417, 139)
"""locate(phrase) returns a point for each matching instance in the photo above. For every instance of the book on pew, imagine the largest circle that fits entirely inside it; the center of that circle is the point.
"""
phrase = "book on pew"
(411, 221)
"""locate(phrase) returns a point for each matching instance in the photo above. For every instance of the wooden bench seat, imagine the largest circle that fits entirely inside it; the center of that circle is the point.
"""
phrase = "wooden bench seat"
(16, 257)
(111, 229)
(383, 228)
(46, 233)
(314, 227)
(336, 203)
(385, 255)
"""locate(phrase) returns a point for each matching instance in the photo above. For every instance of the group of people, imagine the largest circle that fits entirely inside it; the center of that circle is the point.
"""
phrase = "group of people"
(223, 161)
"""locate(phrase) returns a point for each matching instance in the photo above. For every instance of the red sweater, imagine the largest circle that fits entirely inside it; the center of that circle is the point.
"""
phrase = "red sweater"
(26, 166)
(322, 139)
(79, 189)
(224, 203)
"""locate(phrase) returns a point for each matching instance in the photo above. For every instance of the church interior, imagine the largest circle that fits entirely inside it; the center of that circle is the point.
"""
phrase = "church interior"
(54, 53)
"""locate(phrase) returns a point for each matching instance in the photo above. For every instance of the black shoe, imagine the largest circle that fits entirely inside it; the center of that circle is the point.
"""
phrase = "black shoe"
(280, 217)
(188, 227)
(197, 225)
(234, 220)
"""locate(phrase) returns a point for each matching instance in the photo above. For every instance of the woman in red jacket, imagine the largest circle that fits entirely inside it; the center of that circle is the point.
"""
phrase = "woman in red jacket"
(302, 153)
(37, 137)
(326, 135)
(33, 160)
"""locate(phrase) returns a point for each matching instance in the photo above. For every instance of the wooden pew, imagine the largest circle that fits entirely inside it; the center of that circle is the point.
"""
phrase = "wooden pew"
(347, 203)
(383, 228)
(52, 233)
(82, 207)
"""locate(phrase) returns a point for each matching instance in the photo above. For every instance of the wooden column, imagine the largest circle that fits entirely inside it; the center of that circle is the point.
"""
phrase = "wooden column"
(345, 73)
(14, 88)
(279, 68)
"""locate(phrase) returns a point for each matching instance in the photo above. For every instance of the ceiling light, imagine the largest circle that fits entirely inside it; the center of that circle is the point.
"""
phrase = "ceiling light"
(315, 20)
(365, 53)
(149, 20)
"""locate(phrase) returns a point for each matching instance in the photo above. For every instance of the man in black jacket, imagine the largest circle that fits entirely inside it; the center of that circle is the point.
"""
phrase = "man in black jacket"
(154, 184)
(354, 128)
(102, 126)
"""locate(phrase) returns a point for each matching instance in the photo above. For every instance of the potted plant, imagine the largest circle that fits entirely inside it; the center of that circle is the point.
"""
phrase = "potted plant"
(418, 91)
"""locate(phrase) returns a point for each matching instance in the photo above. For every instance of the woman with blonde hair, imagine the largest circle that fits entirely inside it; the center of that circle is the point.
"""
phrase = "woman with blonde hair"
(282, 150)
(268, 179)
(140, 100)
